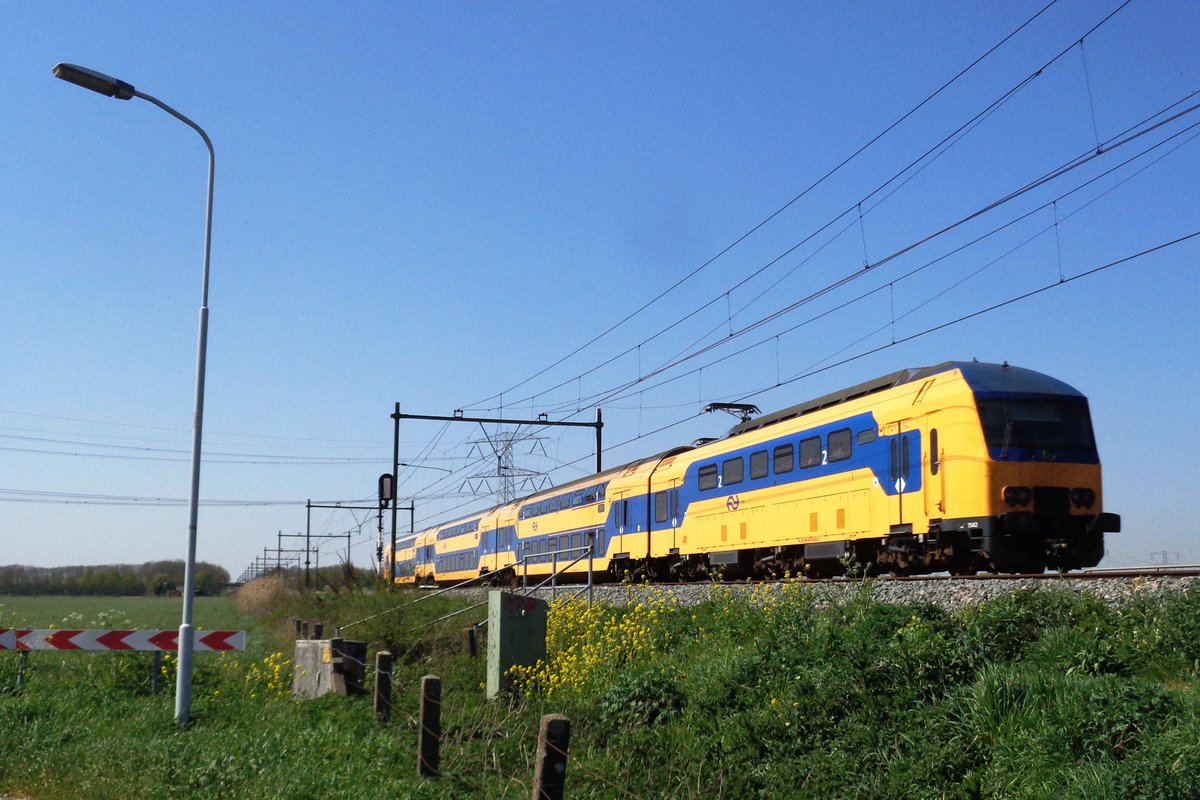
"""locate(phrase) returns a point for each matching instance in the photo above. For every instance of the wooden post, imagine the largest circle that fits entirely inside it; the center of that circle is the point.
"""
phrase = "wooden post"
(298, 626)
(429, 739)
(155, 671)
(318, 630)
(470, 642)
(21, 661)
(550, 772)
(383, 686)
(303, 629)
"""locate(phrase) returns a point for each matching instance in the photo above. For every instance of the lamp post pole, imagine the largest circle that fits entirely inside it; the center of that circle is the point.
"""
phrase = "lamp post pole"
(111, 87)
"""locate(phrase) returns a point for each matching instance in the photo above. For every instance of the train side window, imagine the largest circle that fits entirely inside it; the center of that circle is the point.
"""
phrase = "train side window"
(660, 506)
(785, 459)
(707, 477)
(840, 444)
(867, 436)
(732, 471)
(935, 459)
(758, 464)
(810, 452)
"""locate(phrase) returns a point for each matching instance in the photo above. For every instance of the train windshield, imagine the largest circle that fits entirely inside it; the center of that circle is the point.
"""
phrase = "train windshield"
(1030, 430)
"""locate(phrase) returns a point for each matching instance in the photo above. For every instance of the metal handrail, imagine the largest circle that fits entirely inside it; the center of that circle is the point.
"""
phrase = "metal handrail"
(587, 551)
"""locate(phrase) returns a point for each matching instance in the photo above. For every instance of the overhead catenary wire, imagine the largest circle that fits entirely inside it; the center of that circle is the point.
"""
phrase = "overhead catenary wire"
(626, 390)
(754, 229)
(1004, 97)
(1147, 126)
(753, 393)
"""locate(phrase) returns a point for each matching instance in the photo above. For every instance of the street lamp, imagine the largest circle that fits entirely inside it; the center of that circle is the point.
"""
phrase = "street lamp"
(111, 87)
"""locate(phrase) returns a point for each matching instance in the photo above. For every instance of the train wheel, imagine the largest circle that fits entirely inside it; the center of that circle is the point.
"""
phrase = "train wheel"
(964, 565)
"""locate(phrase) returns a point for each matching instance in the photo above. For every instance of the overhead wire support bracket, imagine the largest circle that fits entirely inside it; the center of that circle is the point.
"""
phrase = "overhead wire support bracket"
(458, 416)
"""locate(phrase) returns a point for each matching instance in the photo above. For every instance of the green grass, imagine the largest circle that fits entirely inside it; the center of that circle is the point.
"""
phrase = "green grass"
(211, 613)
(1035, 695)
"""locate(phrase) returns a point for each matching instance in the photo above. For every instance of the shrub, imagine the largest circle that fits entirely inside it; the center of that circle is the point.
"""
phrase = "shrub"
(1004, 628)
(640, 697)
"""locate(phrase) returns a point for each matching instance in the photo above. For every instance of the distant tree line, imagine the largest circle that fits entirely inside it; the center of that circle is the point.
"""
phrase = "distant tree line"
(151, 578)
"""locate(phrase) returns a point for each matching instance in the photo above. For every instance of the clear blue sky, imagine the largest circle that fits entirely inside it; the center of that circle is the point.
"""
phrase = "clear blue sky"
(431, 202)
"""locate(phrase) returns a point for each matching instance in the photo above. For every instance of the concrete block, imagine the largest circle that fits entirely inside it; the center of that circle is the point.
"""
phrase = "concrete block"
(321, 666)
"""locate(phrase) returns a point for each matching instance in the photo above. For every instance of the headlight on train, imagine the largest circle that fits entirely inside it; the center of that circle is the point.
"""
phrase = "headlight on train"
(1083, 498)
(1017, 495)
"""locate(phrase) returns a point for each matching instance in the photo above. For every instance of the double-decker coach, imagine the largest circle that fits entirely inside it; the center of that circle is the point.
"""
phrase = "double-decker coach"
(957, 467)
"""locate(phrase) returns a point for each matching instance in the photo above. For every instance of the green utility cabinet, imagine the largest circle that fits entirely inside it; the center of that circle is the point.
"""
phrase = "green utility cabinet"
(516, 636)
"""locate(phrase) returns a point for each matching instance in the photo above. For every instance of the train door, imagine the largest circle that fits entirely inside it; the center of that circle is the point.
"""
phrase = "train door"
(488, 541)
(934, 477)
(904, 474)
(664, 519)
(621, 519)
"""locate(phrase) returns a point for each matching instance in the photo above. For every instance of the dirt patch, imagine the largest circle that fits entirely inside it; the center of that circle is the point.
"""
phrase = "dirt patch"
(261, 595)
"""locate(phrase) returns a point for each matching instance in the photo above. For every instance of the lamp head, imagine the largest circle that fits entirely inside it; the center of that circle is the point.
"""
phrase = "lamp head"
(96, 81)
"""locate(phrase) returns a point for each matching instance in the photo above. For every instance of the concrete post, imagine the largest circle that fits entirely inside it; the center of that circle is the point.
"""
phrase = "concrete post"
(550, 771)
(383, 686)
(429, 738)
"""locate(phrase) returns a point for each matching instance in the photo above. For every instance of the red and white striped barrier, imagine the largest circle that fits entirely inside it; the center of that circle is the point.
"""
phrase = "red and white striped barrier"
(52, 639)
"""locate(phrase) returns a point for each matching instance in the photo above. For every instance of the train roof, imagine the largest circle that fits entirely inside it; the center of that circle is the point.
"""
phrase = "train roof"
(993, 378)
(983, 378)
(602, 477)
(587, 480)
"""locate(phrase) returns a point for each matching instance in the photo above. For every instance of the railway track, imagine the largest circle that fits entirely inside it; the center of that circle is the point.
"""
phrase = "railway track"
(1113, 586)
(1190, 571)
(1081, 575)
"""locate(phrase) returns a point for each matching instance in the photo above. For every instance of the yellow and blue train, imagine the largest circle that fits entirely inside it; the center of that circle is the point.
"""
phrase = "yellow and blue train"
(959, 467)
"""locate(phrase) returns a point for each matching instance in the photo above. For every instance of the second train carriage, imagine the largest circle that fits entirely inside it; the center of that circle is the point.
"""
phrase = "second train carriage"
(958, 467)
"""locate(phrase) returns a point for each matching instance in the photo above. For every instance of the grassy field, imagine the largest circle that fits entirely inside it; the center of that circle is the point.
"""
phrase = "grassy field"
(772, 694)
(107, 612)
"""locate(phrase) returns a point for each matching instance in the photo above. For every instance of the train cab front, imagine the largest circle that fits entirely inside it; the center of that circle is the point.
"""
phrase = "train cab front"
(1044, 484)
